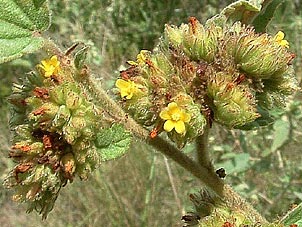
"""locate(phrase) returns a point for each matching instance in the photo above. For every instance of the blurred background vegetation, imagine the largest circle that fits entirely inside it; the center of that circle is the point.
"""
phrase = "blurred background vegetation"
(143, 188)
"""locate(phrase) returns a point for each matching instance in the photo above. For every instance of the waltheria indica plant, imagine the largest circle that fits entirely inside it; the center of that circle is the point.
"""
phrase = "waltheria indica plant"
(64, 125)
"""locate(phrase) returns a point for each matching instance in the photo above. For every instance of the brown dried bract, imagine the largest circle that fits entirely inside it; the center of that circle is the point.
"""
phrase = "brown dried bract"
(128, 73)
(239, 79)
(193, 22)
(201, 69)
(41, 93)
(24, 148)
(47, 142)
(227, 224)
(40, 111)
(21, 168)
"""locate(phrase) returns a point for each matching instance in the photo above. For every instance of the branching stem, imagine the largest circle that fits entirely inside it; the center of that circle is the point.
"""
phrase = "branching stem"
(209, 178)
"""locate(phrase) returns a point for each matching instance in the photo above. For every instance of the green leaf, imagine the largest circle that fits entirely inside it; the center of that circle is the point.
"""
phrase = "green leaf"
(265, 119)
(281, 133)
(293, 217)
(80, 57)
(21, 22)
(38, 3)
(236, 164)
(242, 10)
(265, 16)
(113, 142)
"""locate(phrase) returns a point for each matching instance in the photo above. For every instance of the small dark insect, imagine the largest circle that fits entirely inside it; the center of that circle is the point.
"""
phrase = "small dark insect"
(221, 172)
(54, 78)
(190, 219)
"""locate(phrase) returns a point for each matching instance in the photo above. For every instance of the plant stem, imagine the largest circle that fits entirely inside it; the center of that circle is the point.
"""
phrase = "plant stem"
(202, 150)
(209, 178)
(234, 200)
(202, 170)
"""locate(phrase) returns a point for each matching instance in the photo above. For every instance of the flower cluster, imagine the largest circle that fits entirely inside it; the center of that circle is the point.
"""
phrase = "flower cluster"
(55, 127)
(199, 74)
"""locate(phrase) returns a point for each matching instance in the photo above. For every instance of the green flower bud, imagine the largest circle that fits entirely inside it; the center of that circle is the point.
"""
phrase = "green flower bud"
(62, 116)
(54, 135)
(277, 89)
(248, 47)
(175, 35)
(57, 95)
(198, 42)
(234, 104)
(142, 111)
(71, 134)
(73, 100)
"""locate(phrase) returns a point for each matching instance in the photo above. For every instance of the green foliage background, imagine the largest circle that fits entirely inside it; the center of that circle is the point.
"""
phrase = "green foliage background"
(139, 189)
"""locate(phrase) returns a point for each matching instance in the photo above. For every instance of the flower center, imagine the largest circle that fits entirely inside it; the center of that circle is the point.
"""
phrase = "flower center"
(175, 116)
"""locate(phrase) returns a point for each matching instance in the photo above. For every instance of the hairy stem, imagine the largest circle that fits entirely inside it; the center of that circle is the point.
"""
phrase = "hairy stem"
(209, 178)
(232, 199)
(202, 150)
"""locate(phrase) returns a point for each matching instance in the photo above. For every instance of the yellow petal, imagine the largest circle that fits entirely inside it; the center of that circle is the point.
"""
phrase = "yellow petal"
(122, 84)
(43, 64)
(132, 63)
(279, 36)
(284, 43)
(186, 117)
(164, 114)
(169, 125)
(54, 60)
(172, 105)
(180, 127)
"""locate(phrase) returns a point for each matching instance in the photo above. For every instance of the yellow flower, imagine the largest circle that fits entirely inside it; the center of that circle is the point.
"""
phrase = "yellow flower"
(175, 117)
(279, 38)
(140, 58)
(50, 66)
(127, 88)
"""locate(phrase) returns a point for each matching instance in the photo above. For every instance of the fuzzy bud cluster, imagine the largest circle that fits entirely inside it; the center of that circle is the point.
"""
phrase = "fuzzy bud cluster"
(199, 74)
(54, 126)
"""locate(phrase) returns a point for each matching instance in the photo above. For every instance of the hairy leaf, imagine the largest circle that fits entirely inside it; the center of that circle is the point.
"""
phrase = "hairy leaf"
(21, 22)
(242, 10)
(281, 133)
(265, 16)
(113, 142)
(293, 217)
